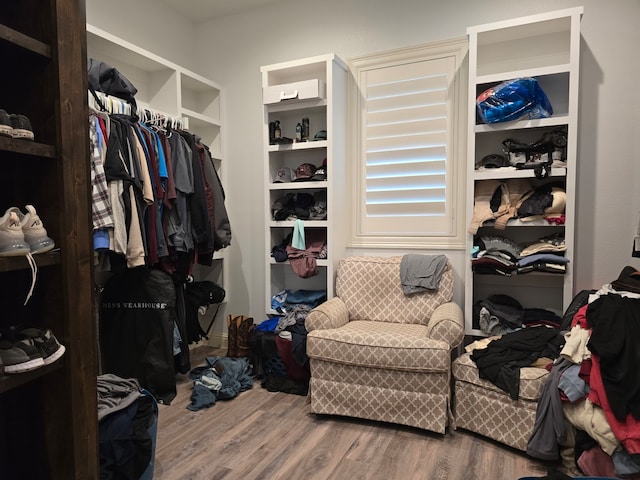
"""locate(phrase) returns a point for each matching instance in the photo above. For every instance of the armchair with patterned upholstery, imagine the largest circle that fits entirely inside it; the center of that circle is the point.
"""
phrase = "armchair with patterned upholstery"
(378, 354)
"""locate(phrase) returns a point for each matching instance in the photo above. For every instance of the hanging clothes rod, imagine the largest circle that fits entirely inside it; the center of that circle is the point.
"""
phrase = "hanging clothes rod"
(153, 117)
(111, 104)
(145, 114)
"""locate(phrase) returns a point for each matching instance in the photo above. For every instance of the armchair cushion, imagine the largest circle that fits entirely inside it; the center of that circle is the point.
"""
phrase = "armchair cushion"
(393, 346)
(532, 379)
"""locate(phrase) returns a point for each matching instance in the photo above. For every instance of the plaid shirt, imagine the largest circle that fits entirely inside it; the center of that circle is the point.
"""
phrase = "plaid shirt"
(101, 212)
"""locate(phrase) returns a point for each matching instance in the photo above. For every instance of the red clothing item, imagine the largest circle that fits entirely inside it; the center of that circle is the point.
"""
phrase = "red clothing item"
(170, 193)
(628, 432)
(295, 372)
(207, 188)
(580, 318)
(595, 462)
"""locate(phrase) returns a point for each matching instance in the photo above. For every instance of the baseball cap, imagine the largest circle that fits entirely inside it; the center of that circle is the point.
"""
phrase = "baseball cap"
(494, 160)
(320, 174)
(320, 135)
(283, 175)
(305, 171)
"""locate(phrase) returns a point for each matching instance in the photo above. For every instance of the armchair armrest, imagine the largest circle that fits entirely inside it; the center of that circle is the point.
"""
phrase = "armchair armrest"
(330, 314)
(447, 324)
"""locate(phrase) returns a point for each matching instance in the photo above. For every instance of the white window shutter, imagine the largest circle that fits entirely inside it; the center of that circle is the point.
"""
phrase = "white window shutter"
(406, 173)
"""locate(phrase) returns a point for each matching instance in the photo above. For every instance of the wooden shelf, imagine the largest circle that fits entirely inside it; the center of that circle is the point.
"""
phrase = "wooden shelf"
(12, 381)
(553, 121)
(320, 262)
(9, 264)
(285, 147)
(513, 172)
(27, 147)
(43, 45)
(291, 223)
(196, 117)
(24, 41)
(296, 105)
(298, 185)
(531, 72)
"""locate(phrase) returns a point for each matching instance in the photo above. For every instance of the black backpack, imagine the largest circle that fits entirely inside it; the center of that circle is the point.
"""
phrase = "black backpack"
(104, 78)
(196, 295)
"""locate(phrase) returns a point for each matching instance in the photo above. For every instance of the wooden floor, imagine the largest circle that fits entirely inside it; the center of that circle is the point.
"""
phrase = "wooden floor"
(266, 435)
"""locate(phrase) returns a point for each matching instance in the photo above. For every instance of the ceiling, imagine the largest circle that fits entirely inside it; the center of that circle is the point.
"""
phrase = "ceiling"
(204, 10)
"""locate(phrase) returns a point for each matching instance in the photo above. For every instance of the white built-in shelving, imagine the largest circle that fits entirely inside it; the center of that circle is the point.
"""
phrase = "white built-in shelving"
(325, 106)
(547, 47)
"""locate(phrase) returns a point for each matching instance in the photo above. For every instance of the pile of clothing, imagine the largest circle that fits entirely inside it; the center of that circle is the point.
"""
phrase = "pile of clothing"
(301, 206)
(499, 314)
(221, 378)
(591, 402)
(499, 201)
(127, 428)
(498, 255)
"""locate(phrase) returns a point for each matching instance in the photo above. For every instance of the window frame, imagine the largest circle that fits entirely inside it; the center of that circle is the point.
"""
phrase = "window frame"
(456, 153)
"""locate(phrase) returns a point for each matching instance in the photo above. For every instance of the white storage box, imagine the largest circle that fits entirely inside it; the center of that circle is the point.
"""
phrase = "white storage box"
(305, 90)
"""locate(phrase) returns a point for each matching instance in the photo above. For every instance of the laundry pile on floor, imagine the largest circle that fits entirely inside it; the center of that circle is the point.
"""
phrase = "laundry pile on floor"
(590, 406)
(221, 378)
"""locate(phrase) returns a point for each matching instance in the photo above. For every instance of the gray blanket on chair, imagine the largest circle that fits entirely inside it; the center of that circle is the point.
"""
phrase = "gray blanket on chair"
(419, 273)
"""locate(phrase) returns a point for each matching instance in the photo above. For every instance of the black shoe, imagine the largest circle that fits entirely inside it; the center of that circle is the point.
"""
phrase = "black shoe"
(21, 127)
(19, 356)
(6, 129)
(44, 341)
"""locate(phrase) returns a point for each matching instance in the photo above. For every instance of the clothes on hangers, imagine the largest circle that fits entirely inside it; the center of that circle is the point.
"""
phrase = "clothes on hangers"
(156, 196)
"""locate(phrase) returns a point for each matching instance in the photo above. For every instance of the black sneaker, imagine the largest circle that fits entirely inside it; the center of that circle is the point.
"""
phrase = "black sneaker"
(6, 129)
(44, 341)
(21, 127)
(18, 357)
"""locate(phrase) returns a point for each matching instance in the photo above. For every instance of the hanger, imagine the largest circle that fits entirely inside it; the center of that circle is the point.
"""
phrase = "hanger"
(161, 121)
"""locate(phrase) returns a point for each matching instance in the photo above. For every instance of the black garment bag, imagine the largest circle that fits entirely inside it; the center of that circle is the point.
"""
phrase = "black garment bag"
(137, 312)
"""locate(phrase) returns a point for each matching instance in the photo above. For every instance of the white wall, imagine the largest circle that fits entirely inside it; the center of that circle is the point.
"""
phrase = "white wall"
(148, 25)
(231, 51)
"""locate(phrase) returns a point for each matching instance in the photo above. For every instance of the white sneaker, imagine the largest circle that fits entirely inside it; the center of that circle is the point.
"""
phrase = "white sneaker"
(12, 240)
(34, 232)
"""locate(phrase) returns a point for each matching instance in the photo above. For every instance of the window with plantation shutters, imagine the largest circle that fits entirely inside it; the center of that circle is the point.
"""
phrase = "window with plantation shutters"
(409, 122)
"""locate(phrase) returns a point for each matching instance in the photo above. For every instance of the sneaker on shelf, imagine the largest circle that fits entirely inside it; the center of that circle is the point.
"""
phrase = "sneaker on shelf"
(12, 241)
(21, 127)
(34, 232)
(5, 124)
(18, 357)
(44, 341)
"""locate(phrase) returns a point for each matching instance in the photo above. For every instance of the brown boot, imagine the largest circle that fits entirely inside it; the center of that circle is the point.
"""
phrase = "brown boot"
(245, 332)
(232, 337)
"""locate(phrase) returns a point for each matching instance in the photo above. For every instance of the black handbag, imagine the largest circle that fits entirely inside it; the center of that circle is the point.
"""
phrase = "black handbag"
(196, 295)
(537, 156)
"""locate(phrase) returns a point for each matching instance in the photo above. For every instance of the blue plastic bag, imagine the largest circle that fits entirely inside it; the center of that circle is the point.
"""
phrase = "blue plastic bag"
(514, 100)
